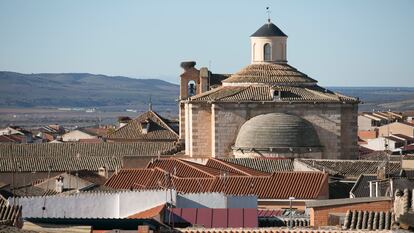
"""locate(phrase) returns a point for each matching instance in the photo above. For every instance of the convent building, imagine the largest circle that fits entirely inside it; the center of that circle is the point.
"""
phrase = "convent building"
(267, 109)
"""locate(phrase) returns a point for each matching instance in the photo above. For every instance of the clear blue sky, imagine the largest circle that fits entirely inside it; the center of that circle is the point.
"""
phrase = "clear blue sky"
(339, 43)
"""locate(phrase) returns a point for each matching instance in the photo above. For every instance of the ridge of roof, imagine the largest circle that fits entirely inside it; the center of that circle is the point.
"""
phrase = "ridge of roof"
(122, 132)
(230, 166)
(164, 163)
(162, 120)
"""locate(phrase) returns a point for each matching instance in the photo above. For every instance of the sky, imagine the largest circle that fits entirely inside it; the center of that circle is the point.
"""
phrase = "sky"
(338, 43)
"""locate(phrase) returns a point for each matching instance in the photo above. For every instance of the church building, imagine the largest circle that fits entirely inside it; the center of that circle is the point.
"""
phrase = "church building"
(267, 109)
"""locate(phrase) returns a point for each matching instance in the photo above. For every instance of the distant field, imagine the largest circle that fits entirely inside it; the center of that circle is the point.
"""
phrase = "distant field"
(35, 117)
(381, 98)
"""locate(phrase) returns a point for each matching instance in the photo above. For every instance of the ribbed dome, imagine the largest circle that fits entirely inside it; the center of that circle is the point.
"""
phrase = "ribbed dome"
(276, 130)
(269, 73)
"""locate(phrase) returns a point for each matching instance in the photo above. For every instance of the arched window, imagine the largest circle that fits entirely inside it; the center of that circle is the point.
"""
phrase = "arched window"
(267, 52)
(191, 88)
(254, 52)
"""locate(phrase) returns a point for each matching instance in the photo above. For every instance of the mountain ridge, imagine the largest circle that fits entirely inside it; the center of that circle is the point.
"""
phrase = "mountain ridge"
(81, 90)
(98, 90)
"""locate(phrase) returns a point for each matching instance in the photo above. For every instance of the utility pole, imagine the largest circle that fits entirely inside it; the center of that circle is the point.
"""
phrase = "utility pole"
(291, 213)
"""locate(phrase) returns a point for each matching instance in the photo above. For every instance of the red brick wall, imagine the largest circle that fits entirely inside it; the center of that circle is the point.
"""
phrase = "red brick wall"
(367, 134)
(319, 215)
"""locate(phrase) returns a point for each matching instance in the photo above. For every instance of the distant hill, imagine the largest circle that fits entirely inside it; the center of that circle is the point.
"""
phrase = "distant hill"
(82, 90)
(381, 98)
(90, 90)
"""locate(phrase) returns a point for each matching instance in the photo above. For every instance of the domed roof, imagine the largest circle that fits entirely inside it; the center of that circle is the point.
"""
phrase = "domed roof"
(270, 73)
(269, 29)
(276, 130)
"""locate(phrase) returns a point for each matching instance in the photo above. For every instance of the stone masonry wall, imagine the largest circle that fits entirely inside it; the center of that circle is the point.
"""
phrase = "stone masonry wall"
(335, 124)
(182, 121)
(349, 131)
(325, 118)
(200, 128)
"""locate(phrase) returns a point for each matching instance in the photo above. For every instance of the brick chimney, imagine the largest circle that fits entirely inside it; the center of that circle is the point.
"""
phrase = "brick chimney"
(103, 171)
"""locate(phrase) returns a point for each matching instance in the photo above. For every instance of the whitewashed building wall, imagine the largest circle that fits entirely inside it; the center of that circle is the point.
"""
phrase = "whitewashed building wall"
(215, 200)
(91, 205)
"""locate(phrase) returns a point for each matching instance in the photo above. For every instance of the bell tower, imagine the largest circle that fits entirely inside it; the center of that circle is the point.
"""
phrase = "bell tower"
(268, 44)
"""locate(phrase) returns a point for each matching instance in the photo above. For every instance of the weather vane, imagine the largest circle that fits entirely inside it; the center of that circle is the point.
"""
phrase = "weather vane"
(268, 14)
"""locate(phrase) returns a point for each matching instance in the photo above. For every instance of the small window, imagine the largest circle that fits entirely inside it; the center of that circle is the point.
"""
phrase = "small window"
(276, 94)
(191, 88)
(254, 52)
(267, 50)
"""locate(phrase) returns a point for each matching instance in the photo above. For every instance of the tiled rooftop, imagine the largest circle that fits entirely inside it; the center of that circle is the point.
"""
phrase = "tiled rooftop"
(59, 164)
(235, 168)
(183, 168)
(269, 73)
(10, 214)
(159, 130)
(281, 185)
(76, 156)
(149, 213)
(271, 230)
(368, 220)
(268, 165)
(348, 168)
(84, 149)
(263, 93)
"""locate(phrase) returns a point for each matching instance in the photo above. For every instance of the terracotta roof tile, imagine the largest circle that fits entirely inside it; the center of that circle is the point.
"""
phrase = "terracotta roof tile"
(159, 129)
(76, 156)
(349, 168)
(302, 185)
(149, 213)
(192, 185)
(268, 165)
(179, 168)
(84, 149)
(59, 164)
(130, 179)
(281, 185)
(263, 93)
(234, 168)
(269, 73)
(10, 214)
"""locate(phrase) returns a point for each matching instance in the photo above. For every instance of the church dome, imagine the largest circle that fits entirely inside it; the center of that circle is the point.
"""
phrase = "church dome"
(276, 132)
(270, 73)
